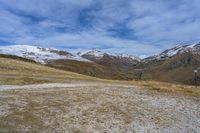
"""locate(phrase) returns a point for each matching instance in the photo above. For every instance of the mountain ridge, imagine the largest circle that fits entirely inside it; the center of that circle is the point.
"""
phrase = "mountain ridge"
(179, 49)
(41, 54)
(172, 65)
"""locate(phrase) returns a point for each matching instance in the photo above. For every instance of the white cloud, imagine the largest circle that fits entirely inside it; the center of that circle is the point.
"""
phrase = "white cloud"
(153, 25)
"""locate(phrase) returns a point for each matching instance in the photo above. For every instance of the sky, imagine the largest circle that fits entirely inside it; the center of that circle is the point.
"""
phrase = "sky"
(135, 27)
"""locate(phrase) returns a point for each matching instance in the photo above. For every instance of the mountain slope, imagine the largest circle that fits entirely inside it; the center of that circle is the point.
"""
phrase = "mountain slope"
(38, 54)
(117, 66)
(93, 69)
(178, 69)
(93, 63)
(102, 65)
(86, 68)
(175, 65)
(96, 55)
(180, 49)
(16, 70)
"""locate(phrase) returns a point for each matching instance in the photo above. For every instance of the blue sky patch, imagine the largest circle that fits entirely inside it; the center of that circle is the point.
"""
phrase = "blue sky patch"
(137, 27)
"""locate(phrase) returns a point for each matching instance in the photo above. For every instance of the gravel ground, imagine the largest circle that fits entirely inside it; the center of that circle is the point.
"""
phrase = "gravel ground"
(96, 108)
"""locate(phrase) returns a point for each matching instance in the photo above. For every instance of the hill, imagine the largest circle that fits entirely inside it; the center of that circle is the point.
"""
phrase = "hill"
(17, 70)
(38, 54)
(173, 65)
(177, 69)
(105, 70)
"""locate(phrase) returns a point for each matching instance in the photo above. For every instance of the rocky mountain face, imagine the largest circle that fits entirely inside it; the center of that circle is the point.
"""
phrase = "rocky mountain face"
(178, 50)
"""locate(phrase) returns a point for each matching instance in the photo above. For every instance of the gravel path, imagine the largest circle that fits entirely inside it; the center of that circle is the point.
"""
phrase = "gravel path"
(96, 107)
(42, 86)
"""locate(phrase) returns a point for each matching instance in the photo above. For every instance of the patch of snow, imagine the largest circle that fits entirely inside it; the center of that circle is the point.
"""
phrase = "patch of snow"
(129, 56)
(37, 54)
(93, 52)
(174, 51)
(79, 58)
(192, 45)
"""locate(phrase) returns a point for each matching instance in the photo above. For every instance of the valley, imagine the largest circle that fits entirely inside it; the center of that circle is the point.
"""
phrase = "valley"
(99, 66)
(173, 65)
(37, 98)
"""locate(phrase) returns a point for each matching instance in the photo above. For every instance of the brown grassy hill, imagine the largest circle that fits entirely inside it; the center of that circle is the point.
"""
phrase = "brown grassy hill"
(15, 70)
(178, 69)
(87, 68)
(16, 58)
(120, 68)
(107, 68)
(117, 67)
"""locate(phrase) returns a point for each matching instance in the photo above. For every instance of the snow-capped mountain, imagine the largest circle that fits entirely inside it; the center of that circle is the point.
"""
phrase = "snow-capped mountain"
(42, 55)
(110, 60)
(38, 54)
(97, 54)
(94, 53)
(194, 48)
(128, 57)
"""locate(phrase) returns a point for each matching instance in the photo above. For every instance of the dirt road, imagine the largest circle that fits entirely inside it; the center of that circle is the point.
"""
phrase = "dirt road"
(96, 107)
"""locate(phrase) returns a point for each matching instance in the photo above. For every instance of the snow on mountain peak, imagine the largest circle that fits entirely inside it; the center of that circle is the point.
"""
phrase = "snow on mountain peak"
(93, 52)
(179, 49)
(38, 54)
(129, 56)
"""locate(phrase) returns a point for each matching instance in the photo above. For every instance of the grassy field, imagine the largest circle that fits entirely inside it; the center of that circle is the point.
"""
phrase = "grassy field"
(14, 71)
(20, 72)
(61, 101)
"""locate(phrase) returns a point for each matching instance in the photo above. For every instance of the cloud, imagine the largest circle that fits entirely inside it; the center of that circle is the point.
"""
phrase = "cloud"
(132, 26)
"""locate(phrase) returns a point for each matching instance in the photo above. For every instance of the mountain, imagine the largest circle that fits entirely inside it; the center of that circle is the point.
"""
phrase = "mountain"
(179, 49)
(173, 65)
(178, 69)
(93, 63)
(106, 59)
(117, 66)
(92, 54)
(95, 54)
(17, 70)
(38, 54)
(102, 65)
(42, 55)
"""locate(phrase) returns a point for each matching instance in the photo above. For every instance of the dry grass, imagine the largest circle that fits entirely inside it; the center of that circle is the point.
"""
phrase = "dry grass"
(20, 72)
(99, 108)
(15, 72)
(160, 86)
(169, 87)
(16, 80)
(108, 106)
(9, 66)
